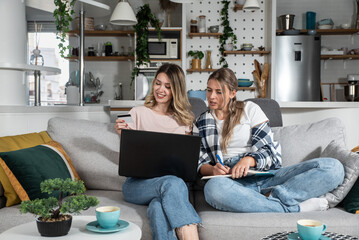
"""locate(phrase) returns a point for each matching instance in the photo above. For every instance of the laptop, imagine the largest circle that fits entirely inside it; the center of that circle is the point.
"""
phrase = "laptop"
(145, 154)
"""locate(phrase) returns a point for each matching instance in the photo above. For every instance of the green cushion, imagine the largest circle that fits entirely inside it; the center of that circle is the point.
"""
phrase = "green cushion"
(351, 201)
(31, 166)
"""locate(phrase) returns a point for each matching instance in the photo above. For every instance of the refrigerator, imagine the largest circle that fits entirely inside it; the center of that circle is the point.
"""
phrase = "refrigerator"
(297, 68)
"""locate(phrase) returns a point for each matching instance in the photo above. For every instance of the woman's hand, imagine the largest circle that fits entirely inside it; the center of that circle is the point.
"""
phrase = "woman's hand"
(120, 124)
(219, 169)
(241, 168)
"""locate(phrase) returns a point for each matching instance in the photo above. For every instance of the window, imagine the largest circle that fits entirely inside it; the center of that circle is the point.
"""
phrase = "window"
(52, 86)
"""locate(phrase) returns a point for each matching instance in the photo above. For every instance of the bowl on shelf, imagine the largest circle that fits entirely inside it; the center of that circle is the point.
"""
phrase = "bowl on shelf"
(202, 94)
(244, 82)
(325, 26)
(228, 47)
(345, 25)
(101, 27)
(247, 46)
(213, 29)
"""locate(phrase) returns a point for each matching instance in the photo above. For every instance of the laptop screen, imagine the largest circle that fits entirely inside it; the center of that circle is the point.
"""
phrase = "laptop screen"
(145, 154)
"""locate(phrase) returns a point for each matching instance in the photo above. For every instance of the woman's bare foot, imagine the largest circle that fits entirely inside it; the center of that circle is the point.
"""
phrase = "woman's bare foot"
(187, 232)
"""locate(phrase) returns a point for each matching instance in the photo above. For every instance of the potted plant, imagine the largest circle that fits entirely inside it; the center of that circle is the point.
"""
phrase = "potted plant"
(196, 61)
(53, 218)
(228, 39)
(63, 18)
(144, 17)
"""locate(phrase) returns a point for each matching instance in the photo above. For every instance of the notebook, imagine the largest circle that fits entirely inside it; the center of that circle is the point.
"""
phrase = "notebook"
(145, 154)
(250, 173)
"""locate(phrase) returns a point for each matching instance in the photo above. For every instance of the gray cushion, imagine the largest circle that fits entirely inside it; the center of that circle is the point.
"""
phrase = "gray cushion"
(198, 106)
(271, 109)
(306, 141)
(350, 162)
(93, 148)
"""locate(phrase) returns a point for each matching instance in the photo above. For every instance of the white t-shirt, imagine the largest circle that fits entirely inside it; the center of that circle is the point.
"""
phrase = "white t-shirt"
(240, 141)
(146, 119)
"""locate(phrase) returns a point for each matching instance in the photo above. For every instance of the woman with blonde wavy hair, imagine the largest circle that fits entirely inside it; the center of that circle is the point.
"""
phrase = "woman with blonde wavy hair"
(236, 136)
(166, 109)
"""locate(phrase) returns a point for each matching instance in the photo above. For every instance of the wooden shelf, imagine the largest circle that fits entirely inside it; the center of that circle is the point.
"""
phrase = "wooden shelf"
(201, 70)
(338, 57)
(328, 31)
(246, 52)
(100, 33)
(217, 35)
(106, 58)
(247, 88)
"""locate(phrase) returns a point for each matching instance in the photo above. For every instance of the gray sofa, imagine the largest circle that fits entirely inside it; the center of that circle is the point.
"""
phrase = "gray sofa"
(94, 147)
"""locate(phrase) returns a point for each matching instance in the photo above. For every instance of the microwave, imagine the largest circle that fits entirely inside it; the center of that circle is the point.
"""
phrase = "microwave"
(166, 48)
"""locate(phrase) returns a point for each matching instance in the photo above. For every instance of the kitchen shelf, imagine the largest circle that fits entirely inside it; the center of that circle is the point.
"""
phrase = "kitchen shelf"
(102, 33)
(201, 70)
(247, 88)
(106, 58)
(246, 52)
(328, 31)
(217, 35)
(339, 57)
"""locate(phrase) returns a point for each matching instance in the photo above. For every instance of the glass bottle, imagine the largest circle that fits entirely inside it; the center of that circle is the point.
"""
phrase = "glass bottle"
(193, 26)
(36, 58)
(202, 24)
(209, 61)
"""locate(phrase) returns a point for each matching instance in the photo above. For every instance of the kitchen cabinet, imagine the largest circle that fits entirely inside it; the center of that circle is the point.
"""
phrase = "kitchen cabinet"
(128, 33)
(114, 72)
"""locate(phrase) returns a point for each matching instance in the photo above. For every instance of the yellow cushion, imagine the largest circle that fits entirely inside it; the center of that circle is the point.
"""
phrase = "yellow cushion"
(12, 143)
(356, 149)
(27, 168)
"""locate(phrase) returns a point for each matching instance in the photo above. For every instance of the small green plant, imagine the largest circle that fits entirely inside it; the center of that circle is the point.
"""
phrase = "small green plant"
(228, 35)
(196, 54)
(53, 208)
(63, 18)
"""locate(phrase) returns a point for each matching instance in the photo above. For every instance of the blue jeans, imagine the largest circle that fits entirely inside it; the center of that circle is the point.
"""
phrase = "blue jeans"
(167, 200)
(288, 187)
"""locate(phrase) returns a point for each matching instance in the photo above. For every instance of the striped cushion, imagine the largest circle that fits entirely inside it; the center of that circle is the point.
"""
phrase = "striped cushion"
(27, 168)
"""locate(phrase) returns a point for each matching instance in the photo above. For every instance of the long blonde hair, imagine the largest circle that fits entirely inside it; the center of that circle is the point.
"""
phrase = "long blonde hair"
(182, 110)
(226, 78)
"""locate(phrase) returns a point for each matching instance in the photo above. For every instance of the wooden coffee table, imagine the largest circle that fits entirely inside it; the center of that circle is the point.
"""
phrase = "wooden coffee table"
(78, 231)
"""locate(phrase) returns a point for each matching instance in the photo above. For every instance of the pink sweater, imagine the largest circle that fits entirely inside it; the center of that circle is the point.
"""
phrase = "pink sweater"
(146, 119)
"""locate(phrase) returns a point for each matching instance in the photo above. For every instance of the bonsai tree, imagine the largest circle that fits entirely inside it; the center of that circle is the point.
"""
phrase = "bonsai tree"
(63, 18)
(196, 61)
(56, 209)
(228, 36)
(144, 17)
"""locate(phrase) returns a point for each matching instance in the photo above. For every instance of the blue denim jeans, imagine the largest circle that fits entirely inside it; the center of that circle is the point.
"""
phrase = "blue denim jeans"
(288, 187)
(167, 200)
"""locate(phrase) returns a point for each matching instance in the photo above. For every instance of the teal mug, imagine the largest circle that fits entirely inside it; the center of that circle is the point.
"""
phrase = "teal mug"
(108, 216)
(310, 229)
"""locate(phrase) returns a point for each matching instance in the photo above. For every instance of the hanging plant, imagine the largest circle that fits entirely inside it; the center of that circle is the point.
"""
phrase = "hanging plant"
(63, 18)
(144, 18)
(228, 35)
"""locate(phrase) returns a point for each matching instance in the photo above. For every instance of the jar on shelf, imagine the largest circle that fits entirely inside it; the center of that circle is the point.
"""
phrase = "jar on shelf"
(36, 58)
(193, 26)
(91, 51)
(209, 60)
(202, 24)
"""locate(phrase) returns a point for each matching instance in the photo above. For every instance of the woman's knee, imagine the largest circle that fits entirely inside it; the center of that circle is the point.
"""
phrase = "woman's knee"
(333, 167)
(216, 188)
(174, 183)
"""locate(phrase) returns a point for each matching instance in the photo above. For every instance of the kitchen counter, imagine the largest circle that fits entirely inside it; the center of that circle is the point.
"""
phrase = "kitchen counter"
(124, 105)
(318, 105)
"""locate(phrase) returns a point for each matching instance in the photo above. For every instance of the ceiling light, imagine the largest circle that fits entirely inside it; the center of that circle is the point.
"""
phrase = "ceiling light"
(123, 14)
(251, 5)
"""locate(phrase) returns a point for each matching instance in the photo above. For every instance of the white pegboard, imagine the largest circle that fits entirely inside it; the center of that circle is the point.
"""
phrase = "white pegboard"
(247, 25)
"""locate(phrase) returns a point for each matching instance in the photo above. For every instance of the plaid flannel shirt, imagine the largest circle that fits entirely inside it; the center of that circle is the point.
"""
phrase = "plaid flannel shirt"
(265, 151)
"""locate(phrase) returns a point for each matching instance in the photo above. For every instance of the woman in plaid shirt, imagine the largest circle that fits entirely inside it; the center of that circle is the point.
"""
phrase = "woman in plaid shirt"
(239, 134)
